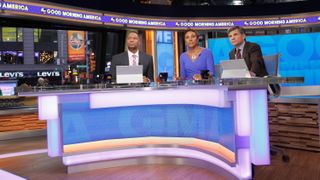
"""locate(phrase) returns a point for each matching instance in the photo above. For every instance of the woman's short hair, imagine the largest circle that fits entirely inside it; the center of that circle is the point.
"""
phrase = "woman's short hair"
(190, 30)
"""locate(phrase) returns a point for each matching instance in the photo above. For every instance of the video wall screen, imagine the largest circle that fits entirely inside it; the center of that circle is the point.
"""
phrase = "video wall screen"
(82, 124)
(165, 54)
(299, 53)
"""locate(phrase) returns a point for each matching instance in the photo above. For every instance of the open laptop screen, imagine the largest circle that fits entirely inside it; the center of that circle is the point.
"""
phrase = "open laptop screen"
(129, 74)
(234, 69)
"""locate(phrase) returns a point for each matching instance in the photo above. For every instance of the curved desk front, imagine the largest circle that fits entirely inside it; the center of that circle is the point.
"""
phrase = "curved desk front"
(224, 127)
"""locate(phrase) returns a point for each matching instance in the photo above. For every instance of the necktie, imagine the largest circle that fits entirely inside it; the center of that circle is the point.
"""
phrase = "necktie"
(134, 60)
(238, 54)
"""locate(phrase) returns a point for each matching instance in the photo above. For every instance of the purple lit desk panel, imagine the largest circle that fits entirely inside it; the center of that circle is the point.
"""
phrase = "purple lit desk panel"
(226, 128)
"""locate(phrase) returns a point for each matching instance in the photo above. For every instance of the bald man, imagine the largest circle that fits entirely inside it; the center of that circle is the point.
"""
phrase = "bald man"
(133, 57)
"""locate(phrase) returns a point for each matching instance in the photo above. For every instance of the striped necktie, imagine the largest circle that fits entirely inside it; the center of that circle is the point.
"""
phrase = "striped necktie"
(134, 60)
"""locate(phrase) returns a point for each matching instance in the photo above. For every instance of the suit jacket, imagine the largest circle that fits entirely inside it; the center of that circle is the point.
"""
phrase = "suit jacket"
(253, 57)
(122, 59)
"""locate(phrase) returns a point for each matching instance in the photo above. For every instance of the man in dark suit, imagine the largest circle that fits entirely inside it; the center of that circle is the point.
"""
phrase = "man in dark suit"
(133, 57)
(250, 52)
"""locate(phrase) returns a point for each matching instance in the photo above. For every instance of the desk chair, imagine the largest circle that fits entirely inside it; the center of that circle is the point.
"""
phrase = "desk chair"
(272, 63)
(272, 66)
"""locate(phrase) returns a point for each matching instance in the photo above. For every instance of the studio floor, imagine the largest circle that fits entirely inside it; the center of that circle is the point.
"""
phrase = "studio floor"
(27, 158)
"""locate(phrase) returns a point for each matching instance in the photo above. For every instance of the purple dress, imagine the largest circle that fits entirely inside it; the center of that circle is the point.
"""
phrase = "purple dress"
(203, 62)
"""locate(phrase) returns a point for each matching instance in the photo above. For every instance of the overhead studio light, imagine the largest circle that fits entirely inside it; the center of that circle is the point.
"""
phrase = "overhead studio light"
(237, 2)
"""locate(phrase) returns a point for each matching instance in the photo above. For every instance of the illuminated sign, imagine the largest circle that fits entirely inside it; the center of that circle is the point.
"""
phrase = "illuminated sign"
(284, 21)
(165, 37)
(76, 46)
(45, 11)
(20, 74)
(11, 74)
(54, 11)
(69, 14)
(14, 6)
(48, 74)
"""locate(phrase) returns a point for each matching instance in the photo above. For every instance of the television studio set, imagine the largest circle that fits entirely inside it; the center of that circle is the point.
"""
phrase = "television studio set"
(159, 89)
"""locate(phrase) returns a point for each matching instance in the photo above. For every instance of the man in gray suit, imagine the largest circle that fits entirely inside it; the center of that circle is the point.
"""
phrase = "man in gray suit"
(250, 52)
(133, 57)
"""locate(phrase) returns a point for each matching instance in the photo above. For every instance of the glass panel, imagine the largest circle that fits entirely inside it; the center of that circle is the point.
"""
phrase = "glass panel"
(12, 57)
(9, 34)
(20, 58)
(48, 36)
(36, 35)
(20, 34)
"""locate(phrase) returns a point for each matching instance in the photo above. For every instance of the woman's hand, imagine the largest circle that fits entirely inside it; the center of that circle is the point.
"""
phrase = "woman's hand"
(197, 77)
(145, 79)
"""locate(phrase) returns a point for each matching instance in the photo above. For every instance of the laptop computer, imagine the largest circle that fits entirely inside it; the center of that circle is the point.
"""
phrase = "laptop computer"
(234, 69)
(129, 74)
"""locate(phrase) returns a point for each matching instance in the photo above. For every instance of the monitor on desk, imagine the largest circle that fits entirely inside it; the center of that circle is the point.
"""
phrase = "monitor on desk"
(129, 74)
(234, 69)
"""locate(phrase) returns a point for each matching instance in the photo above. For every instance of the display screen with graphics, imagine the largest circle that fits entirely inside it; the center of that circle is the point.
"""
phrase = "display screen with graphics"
(76, 47)
(7, 88)
(165, 52)
(202, 122)
(299, 53)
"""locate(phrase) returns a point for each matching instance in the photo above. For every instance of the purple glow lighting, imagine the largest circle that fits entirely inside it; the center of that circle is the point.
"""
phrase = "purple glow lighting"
(243, 119)
(252, 120)
(244, 165)
(207, 97)
(74, 13)
(20, 54)
(259, 139)
(54, 139)
(48, 110)
(48, 107)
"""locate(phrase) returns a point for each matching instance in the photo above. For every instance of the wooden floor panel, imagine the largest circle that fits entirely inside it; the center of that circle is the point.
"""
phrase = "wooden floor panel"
(39, 167)
(302, 165)
(23, 144)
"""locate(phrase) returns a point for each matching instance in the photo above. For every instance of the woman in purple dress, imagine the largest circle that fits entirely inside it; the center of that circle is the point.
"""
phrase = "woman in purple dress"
(195, 59)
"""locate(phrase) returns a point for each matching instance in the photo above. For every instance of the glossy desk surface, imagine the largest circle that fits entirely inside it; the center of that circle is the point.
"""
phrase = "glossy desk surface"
(230, 84)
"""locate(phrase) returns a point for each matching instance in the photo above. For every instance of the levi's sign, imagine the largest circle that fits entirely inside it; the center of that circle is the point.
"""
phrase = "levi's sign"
(21, 74)
(48, 73)
(11, 74)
